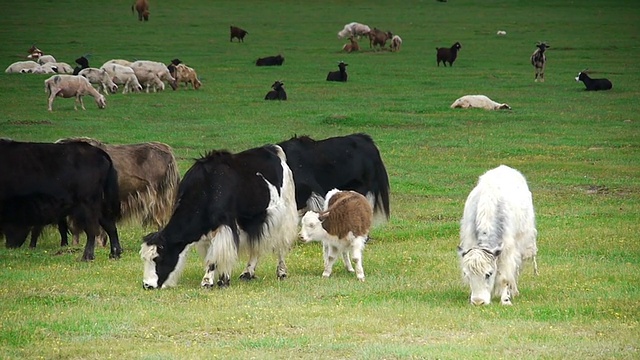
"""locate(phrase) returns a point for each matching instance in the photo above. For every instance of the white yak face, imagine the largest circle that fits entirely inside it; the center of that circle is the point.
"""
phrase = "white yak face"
(479, 271)
(311, 227)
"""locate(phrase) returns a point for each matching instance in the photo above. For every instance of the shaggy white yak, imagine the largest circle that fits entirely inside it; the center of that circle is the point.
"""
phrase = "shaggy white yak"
(497, 233)
(67, 86)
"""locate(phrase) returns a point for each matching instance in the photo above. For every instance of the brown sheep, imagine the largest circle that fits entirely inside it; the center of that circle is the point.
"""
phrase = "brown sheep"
(352, 46)
(142, 7)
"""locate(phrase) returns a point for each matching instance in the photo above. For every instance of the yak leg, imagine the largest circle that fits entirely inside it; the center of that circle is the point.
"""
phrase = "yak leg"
(281, 270)
(110, 227)
(249, 272)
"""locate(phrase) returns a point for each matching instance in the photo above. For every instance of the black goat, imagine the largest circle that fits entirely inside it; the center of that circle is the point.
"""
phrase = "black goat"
(83, 63)
(270, 61)
(277, 93)
(448, 54)
(236, 32)
(539, 60)
(340, 75)
(593, 84)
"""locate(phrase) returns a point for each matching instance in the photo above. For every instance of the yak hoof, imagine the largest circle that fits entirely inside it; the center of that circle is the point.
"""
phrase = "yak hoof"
(282, 276)
(247, 276)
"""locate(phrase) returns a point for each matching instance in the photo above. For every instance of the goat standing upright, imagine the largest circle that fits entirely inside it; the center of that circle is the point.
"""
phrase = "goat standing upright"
(539, 60)
(448, 55)
(340, 75)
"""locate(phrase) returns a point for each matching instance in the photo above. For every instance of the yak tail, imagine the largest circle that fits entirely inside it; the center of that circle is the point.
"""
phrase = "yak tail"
(381, 192)
(111, 193)
(168, 190)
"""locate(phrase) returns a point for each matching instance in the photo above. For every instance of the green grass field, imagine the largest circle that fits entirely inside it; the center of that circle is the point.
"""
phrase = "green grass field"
(580, 152)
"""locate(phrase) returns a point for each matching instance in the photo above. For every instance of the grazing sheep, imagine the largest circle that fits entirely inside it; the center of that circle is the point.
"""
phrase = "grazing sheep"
(379, 37)
(277, 93)
(100, 77)
(396, 43)
(448, 54)
(142, 7)
(351, 46)
(67, 86)
(119, 62)
(593, 84)
(152, 73)
(238, 33)
(340, 75)
(497, 233)
(123, 75)
(186, 75)
(539, 60)
(353, 29)
(270, 61)
(478, 101)
(342, 228)
(83, 63)
(22, 67)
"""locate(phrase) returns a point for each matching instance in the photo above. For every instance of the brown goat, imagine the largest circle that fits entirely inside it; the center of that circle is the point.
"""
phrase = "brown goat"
(142, 7)
(352, 46)
(379, 37)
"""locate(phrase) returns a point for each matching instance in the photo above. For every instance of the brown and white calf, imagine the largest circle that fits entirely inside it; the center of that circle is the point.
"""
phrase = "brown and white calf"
(343, 228)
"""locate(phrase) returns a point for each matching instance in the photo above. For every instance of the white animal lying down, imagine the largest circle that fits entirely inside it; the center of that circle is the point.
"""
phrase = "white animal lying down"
(478, 101)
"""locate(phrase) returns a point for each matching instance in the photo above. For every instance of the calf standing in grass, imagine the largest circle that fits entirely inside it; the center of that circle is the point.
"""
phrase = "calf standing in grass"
(497, 232)
(539, 60)
(342, 228)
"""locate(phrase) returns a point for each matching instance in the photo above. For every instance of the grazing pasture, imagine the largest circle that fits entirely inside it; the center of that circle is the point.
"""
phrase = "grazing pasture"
(579, 151)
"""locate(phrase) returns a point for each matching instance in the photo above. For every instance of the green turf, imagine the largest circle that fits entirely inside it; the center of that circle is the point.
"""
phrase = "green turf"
(579, 151)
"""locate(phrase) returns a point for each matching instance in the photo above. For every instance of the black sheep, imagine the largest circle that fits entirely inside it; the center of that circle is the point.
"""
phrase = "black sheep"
(277, 93)
(448, 54)
(340, 75)
(83, 62)
(270, 61)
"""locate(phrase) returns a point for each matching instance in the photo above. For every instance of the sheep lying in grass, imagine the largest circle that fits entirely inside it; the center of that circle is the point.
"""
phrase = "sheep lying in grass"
(101, 78)
(478, 101)
(22, 67)
(67, 86)
(342, 228)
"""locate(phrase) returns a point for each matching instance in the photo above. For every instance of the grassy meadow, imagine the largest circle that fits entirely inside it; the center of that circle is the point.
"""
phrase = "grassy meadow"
(580, 152)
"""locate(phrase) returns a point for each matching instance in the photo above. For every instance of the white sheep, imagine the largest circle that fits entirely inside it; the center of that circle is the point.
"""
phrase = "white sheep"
(62, 67)
(478, 101)
(152, 73)
(342, 228)
(46, 68)
(123, 75)
(119, 62)
(187, 75)
(101, 78)
(353, 29)
(67, 86)
(22, 67)
(43, 59)
(396, 43)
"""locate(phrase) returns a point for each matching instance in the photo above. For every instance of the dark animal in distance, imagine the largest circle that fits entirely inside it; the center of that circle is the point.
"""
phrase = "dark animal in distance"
(593, 84)
(448, 55)
(50, 182)
(270, 61)
(238, 33)
(277, 93)
(351, 162)
(142, 7)
(226, 203)
(539, 60)
(340, 75)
